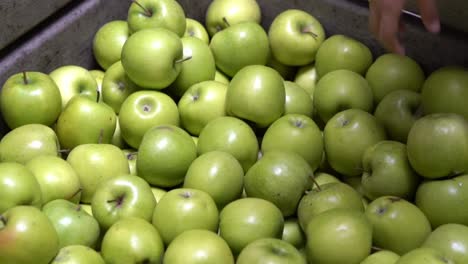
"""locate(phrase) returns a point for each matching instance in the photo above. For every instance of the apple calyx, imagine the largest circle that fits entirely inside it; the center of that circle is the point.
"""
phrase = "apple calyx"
(25, 78)
(307, 30)
(132, 155)
(186, 194)
(147, 12)
(298, 123)
(118, 201)
(183, 59)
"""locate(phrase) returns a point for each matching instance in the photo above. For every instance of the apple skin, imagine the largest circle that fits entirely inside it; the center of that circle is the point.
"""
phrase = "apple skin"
(295, 36)
(306, 77)
(198, 246)
(27, 236)
(221, 77)
(234, 12)
(167, 14)
(398, 225)
(298, 100)
(424, 255)
(346, 229)
(397, 112)
(108, 42)
(270, 251)
(77, 254)
(438, 145)
(451, 240)
(132, 240)
(440, 200)
(158, 193)
(195, 29)
(381, 257)
(446, 91)
(39, 96)
(342, 52)
(293, 233)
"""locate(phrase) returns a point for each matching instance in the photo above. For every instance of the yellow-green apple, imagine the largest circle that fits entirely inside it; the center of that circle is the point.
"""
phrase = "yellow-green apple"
(117, 139)
(85, 121)
(233, 11)
(381, 257)
(87, 208)
(198, 246)
(183, 209)
(391, 72)
(306, 77)
(440, 200)
(424, 255)
(108, 42)
(27, 142)
(270, 250)
(131, 155)
(293, 233)
(438, 145)
(158, 193)
(446, 91)
(74, 80)
(132, 240)
(27, 236)
(77, 254)
(165, 155)
(74, 226)
(201, 103)
(122, 196)
(287, 72)
(231, 135)
(397, 224)
(167, 14)
(95, 163)
(221, 77)
(340, 90)
(248, 40)
(347, 135)
(292, 132)
(387, 171)
(347, 230)
(98, 76)
(248, 219)
(143, 110)
(116, 86)
(295, 36)
(297, 100)
(56, 177)
(397, 112)
(256, 93)
(195, 29)
(18, 186)
(211, 172)
(200, 67)
(152, 57)
(322, 178)
(451, 240)
(339, 52)
(32, 92)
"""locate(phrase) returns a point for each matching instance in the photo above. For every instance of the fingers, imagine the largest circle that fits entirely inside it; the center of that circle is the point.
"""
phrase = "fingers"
(429, 15)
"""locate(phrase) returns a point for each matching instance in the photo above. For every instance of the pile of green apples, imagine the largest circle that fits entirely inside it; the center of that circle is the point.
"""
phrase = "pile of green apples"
(221, 141)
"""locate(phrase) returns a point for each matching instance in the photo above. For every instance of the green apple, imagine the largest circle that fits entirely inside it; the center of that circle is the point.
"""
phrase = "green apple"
(397, 112)
(56, 177)
(233, 11)
(293, 233)
(117, 139)
(297, 100)
(451, 240)
(306, 77)
(201, 103)
(271, 251)
(152, 57)
(441, 200)
(158, 193)
(211, 172)
(391, 72)
(248, 219)
(131, 155)
(27, 236)
(347, 135)
(196, 29)
(132, 240)
(295, 36)
(340, 90)
(424, 255)
(84, 121)
(200, 67)
(77, 254)
(322, 178)
(122, 196)
(256, 93)
(398, 225)
(108, 42)
(438, 145)
(247, 40)
(164, 156)
(446, 91)
(27, 142)
(94, 163)
(198, 246)
(86, 208)
(143, 110)
(74, 226)
(34, 93)
(116, 86)
(231, 135)
(221, 77)
(183, 209)
(387, 171)
(381, 257)
(74, 80)
(18, 186)
(98, 76)
(149, 14)
(339, 52)
(339, 236)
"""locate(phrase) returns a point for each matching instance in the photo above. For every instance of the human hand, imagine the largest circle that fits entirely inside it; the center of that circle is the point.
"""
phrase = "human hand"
(385, 23)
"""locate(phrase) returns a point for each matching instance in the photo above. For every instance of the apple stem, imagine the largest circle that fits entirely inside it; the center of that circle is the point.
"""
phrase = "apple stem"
(183, 59)
(316, 183)
(98, 96)
(101, 136)
(66, 151)
(375, 249)
(76, 193)
(226, 22)
(25, 78)
(147, 12)
(308, 31)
